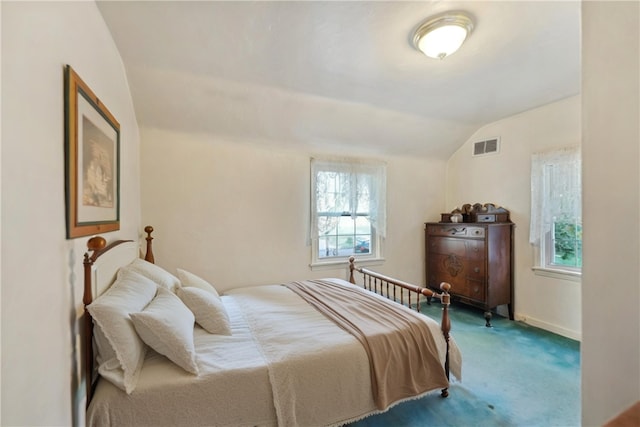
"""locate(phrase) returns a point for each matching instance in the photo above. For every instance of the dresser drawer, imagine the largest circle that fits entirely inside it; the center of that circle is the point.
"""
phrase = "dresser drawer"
(459, 230)
(472, 289)
(486, 218)
(465, 281)
(452, 268)
(472, 249)
(447, 245)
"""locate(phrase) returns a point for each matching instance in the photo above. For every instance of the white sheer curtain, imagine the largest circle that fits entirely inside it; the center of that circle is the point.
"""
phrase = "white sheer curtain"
(556, 190)
(346, 185)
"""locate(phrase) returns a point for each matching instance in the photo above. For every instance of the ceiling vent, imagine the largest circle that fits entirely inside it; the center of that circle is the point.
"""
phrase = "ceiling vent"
(489, 146)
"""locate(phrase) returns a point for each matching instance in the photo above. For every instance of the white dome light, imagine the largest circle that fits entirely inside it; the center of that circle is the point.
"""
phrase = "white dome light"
(440, 37)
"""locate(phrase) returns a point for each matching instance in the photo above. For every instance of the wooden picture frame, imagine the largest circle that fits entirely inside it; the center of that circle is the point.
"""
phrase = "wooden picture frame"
(92, 161)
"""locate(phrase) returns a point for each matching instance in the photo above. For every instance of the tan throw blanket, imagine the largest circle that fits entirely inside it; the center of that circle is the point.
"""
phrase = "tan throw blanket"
(403, 356)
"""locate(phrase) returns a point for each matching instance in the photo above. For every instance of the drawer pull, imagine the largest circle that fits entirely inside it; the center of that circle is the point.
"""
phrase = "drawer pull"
(455, 231)
(476, 270)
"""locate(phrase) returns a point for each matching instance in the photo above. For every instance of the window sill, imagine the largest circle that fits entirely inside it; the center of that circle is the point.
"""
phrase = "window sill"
(574, 276)
(332, 265)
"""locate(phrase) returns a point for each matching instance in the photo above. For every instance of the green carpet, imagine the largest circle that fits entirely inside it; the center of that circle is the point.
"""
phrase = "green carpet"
(513, 374)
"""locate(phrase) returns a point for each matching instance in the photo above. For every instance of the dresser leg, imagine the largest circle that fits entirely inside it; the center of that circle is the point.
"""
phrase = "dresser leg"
(487, 317)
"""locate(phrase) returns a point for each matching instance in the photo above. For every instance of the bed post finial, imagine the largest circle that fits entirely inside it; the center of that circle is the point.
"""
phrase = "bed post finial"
(352, 267)
(149, 253)
(96, 243)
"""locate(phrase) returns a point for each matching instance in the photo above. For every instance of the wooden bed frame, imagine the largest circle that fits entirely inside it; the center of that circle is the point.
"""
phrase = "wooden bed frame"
(94, 286)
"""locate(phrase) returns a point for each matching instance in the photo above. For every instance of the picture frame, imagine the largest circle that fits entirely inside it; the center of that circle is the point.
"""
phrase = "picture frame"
(92, 161)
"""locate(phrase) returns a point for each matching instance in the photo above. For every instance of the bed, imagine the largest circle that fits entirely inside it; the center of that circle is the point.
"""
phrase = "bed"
(165, 349)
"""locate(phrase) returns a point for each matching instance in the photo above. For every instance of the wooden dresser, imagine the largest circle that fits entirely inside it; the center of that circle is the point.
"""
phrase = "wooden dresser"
(476, 258)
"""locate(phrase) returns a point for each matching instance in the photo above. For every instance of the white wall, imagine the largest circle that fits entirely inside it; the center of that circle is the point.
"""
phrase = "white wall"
(504, 179)
(237, 214)
(41, 270)
(611, 159)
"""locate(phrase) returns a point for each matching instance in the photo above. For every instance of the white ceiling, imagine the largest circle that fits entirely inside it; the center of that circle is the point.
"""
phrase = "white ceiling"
(341, 76)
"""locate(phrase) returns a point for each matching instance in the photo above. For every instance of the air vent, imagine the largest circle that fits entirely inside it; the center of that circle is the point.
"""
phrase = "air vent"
(489, 146)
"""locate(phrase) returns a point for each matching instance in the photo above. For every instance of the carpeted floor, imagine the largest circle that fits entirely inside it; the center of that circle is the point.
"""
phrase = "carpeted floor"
(512, 375)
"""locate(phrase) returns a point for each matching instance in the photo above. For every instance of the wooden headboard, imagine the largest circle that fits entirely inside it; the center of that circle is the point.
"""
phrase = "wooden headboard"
(101, 264)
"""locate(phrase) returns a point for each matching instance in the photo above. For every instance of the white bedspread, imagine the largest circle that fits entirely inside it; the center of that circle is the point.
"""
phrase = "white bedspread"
(285, 364)
(232, 389)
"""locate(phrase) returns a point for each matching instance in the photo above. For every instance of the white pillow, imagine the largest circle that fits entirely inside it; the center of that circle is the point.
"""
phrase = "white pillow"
(156, 273)
(207, 308)
(166, 325)
(189, 279)
(120, 351)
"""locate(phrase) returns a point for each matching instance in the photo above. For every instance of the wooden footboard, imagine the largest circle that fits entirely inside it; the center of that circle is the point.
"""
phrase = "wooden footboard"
(405, 293)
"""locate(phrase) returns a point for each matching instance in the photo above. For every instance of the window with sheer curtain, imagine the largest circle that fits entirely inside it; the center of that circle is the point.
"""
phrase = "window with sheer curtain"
(348, 209)
(556, 209)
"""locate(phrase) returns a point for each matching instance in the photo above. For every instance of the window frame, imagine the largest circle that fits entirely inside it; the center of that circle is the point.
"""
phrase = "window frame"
(378, 226)
(542, 221)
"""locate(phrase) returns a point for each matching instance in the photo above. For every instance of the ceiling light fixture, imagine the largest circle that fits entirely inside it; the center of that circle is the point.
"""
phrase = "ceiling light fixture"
(439, 37)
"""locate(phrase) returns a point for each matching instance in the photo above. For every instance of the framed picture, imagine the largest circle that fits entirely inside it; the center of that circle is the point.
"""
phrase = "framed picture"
(92, 161)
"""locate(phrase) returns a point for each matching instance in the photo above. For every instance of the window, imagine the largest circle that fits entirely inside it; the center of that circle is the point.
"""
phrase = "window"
(556, 209)
(347, 210)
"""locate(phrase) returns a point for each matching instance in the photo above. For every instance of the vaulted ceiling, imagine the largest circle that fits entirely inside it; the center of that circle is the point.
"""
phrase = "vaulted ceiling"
(341, 76)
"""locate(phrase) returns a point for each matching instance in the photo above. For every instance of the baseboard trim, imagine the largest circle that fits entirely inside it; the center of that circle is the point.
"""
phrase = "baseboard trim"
(574, 335)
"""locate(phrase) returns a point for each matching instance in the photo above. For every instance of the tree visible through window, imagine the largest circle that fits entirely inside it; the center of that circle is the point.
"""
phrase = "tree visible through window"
(348, 213)
(556, 211)
(566, 246)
